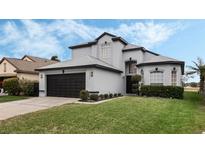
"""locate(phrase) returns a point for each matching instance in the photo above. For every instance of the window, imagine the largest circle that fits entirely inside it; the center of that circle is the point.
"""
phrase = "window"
(106, 49)
(156, 78)
(133, 68)
(4, 67)
(174, 78)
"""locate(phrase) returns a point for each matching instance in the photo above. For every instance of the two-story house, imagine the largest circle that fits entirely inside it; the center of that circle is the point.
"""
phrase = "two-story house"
(106, 65)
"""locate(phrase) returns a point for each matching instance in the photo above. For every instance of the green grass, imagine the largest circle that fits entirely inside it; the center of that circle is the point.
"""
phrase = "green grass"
(4, 99)
(123, 115)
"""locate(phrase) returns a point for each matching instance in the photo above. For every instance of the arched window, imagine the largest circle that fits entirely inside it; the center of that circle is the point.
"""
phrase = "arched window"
(174, 77)
(156, 78)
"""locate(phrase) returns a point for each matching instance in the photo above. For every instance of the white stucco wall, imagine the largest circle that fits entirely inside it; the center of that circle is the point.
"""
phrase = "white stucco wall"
(115, 56)
(76, 53)
(106, 82)
(166, 75)
(135, 55)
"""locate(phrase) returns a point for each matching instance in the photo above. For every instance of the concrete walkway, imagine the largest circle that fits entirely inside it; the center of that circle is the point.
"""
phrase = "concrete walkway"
(11, 109)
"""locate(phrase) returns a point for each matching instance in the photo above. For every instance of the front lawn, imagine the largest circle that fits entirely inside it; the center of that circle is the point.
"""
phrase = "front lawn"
(123, 115)
(11, 98)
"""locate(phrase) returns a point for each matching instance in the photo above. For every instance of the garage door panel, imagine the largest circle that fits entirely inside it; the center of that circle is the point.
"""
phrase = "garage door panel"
(65, 85)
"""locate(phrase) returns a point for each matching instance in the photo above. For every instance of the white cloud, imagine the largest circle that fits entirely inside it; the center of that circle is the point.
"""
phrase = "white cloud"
(50, 38)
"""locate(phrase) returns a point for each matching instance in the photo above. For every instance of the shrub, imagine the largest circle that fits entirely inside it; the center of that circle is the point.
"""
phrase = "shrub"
(11, 86)
(94, 97)
(106, 96)
(163, 91)
(101, 96)
(84, 94)
(119, 94)
(135, 83)
(29, 88)
(115, 94)
(136, 78)
(110, 95)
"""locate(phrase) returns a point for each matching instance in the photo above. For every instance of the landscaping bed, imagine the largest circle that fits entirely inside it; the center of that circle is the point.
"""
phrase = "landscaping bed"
(87, 96)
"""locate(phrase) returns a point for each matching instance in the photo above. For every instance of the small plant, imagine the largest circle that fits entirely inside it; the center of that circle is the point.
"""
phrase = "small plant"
(11, 86)
(110, 95)
(115, 94)
(106, 96)
(119, 94)
(94, 97)
(101, 96)
(84, 94)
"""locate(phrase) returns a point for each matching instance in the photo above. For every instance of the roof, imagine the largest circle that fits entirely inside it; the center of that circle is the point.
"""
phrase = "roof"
(23, 66)
(88, 44)
(82, 62)
(39, 59)
(162, 60)
(133, 47)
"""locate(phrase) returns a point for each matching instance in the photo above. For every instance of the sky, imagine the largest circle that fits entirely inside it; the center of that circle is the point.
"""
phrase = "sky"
(180, 39)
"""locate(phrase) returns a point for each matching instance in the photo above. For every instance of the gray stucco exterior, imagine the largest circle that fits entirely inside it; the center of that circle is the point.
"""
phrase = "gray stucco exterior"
(118, 58)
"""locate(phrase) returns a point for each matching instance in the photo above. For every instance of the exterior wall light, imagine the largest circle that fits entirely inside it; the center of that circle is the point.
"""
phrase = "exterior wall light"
(41, 76)
(91, 74)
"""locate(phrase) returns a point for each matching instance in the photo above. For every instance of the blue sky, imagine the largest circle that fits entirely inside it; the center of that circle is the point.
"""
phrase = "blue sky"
(180, 39)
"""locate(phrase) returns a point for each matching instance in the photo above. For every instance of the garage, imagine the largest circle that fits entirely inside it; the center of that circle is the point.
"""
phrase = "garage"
(65, 85)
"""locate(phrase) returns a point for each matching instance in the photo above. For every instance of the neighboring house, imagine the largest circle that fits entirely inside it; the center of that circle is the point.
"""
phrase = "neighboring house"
(23, 68)
(106, 65)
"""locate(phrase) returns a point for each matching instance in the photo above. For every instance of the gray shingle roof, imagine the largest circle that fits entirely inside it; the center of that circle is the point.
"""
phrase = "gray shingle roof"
(131, 46)
(160, 58)
(81, 62)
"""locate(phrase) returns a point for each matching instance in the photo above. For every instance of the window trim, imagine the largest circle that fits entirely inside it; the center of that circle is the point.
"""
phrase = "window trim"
(157, 71)
(105, 50)
(174, 80)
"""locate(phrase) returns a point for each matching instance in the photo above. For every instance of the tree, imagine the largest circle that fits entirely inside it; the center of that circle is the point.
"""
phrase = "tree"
(199, 69)
(135, 83)
(55, 58)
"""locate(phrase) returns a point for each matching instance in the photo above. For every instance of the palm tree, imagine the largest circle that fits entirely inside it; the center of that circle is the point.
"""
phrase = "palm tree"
(199, 69)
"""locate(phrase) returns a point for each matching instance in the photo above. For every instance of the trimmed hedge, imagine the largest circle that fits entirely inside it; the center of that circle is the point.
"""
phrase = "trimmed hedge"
(94, 97)
(163, 91)
(11, 86)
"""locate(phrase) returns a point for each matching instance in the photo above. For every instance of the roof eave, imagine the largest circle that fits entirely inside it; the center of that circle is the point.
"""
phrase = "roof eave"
(182, 63)
(27, 72)
(81, 66)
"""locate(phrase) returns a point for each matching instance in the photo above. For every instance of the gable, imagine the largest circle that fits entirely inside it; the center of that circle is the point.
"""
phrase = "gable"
(26, 58)
(9, 67)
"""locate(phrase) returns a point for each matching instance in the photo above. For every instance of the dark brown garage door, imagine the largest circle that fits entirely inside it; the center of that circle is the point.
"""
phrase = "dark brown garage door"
(65, 85)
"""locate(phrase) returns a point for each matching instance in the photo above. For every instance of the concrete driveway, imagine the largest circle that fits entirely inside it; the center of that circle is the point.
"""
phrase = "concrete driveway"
(14, 108)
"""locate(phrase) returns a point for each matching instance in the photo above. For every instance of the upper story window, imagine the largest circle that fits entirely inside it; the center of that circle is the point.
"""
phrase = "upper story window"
(156, 78)
(174, 77)
(106, 50)
(4, 67)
